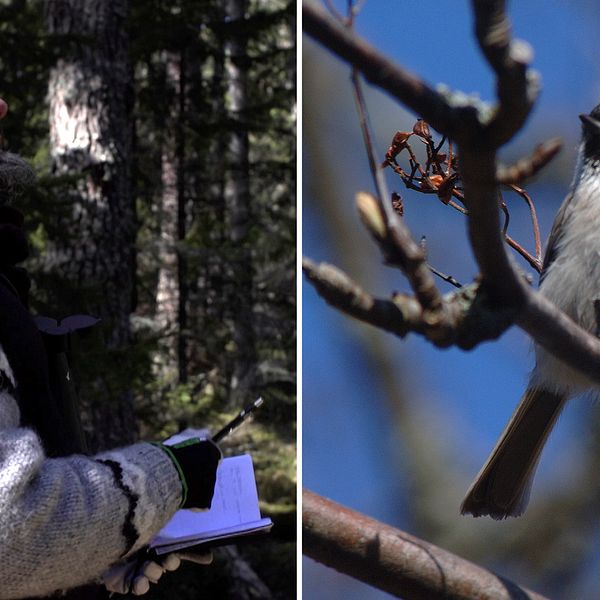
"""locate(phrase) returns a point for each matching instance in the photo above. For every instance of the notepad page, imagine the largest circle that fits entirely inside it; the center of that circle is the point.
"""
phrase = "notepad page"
(234, 504)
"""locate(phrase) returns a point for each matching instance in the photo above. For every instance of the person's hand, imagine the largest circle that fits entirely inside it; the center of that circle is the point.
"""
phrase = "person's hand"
(196, 462)
(135, 575)
(3, 108)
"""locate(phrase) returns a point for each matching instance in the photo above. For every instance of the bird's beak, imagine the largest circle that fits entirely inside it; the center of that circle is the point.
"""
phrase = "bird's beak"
(590, 124)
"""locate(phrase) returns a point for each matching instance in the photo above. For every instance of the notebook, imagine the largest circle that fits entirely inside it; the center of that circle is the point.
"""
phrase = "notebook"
(233, 515)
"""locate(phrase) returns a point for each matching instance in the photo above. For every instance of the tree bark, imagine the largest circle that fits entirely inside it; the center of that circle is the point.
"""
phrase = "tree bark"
(90, 140)
(171, 295)
(237, 195)
(244, 582)
(393, 560)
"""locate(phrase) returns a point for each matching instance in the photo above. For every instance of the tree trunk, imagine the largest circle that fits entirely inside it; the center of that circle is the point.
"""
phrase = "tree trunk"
(172, 295)
(90, 140)
(244, 582)
(237, 196)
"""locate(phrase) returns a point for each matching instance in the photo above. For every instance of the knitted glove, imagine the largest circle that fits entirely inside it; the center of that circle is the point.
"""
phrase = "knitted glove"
(136, 575)
(196, 461)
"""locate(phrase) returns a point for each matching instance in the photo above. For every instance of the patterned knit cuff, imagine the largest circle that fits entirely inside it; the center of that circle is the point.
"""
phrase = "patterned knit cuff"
(153, 483)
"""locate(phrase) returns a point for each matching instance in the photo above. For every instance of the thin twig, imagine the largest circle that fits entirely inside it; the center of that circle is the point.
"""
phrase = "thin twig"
(534, 222)
(422, 171)
(363, 119)
(335, 12)
(450, 157)
(532, 260)
(528, 166)
(447, 278)
(504, 209)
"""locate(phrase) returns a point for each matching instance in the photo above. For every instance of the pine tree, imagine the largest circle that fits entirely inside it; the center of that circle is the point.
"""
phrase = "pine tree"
(90, 141)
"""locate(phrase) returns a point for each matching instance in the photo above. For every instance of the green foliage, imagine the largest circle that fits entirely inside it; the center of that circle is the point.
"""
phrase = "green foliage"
(27, 54)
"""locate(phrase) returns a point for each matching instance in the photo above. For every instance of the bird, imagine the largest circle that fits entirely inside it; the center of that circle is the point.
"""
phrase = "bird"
(570, 278)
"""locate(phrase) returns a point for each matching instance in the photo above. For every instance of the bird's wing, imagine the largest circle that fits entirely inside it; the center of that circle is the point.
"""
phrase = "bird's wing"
(555, 235)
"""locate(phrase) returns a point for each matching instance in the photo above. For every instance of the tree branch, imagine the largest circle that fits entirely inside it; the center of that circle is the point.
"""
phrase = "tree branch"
(400, 250)
(478, 131)
(398, 317)
(528, 166)
(517, 86)
(436, 109)
(465, 317)
(395, 561)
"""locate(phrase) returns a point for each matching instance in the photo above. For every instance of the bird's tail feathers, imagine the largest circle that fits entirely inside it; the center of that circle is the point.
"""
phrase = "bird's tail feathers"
(502, 487)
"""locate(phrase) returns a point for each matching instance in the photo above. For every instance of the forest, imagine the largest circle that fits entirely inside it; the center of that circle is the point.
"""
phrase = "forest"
(162, 135)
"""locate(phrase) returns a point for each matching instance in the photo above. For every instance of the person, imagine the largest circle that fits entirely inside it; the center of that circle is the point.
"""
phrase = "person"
(64, 521)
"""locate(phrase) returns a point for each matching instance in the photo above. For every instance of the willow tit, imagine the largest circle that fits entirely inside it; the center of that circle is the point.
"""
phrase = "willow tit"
(570, 278)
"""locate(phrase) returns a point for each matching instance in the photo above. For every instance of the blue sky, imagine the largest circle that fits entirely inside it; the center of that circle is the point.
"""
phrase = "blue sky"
(352, 449)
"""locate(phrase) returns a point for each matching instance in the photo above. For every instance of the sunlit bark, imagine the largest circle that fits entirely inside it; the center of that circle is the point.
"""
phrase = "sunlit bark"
(90, 139)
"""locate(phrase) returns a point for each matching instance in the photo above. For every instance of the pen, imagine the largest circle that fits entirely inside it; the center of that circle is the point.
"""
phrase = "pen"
(238, 420)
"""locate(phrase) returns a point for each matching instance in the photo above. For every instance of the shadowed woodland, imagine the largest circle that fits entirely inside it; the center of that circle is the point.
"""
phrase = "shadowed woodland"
(163, 138)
